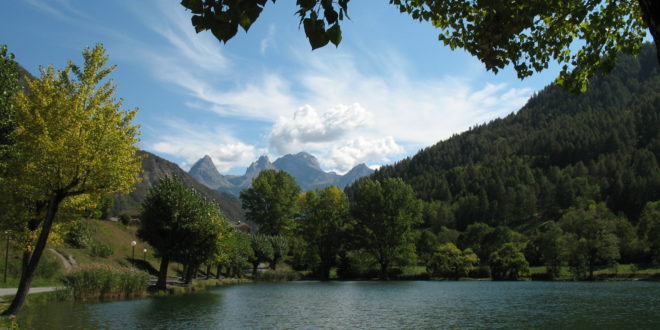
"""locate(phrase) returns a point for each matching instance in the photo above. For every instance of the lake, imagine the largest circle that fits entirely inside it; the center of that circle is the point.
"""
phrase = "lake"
(404, 304)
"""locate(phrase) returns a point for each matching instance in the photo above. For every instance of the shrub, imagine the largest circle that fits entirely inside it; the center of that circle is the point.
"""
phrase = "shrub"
(102, 250)
(277, 276)
(98, 282)
(79, 234)
(125, 219)
(357, 264)
(48, 267)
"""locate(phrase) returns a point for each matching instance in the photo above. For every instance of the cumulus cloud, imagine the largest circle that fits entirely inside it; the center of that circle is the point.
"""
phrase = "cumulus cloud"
(308, 128)
(362, 150)
(190, 143)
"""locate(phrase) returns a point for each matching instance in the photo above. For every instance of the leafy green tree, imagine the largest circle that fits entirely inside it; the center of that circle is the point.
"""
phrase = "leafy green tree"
(180, 225)
(552, 249)
(508, 263)
(474, 237)
(280, 249)
(324, 216)
(73, 144)
(271, 202)
(649, 229)
(527, 35)
(385, 213)
(9, 85)
(449, 261)
(425, 243)
(594, 241)
(262, 251)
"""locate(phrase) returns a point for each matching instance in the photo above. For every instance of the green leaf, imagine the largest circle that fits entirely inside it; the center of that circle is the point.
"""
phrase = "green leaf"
(194, 5)
(334, 34)
(315, 31)
(224, 31)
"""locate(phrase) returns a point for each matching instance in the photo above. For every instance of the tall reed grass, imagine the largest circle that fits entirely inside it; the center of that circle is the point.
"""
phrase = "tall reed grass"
(102, 282)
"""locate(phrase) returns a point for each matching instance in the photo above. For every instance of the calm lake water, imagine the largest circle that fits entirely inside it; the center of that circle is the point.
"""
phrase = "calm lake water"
(351, 305)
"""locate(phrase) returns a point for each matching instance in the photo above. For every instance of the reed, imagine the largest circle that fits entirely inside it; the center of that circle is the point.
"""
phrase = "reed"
(102, 282)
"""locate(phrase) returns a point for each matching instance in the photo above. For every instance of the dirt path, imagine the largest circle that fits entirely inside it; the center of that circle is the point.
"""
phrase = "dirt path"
(12, 291)
(68, 262)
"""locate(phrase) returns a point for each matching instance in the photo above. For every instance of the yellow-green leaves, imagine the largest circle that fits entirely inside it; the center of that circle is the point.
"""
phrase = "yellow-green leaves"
(72, 137)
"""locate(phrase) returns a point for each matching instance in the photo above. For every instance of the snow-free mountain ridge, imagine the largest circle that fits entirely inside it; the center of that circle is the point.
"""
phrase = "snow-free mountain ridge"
(304, 167)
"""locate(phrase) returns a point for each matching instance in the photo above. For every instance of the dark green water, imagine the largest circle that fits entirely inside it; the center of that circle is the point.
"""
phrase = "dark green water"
(351, 305)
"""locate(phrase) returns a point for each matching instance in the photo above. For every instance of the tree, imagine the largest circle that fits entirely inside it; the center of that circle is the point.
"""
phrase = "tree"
(449, 261)
(527, 35)
(593, 240)
(72, 144)
(508, 263)
(280, 248)
(324, 215)
(180, 225)
(385, 213)
(9, 85)
(271, 202)
(552, 249)
(262, 251)
(649, 229)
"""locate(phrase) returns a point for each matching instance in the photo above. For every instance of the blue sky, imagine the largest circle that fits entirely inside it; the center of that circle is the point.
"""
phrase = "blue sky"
(389, 89)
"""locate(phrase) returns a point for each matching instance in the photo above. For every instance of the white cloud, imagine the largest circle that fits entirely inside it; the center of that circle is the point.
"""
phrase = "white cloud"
(307, 128)
(361, 150)
(190, 143)
(268, 41)
(390, 105)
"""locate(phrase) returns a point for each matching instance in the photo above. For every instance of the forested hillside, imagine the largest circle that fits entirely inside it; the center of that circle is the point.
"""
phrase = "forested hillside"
(155, 168)
(559, 151)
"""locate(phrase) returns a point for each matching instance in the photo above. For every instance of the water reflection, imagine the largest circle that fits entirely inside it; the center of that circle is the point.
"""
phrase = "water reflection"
(372, 304)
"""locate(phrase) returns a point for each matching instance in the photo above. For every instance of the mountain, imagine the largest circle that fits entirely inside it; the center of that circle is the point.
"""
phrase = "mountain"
(154, 168)
(207, 174)
(304, 167)
(559, 151)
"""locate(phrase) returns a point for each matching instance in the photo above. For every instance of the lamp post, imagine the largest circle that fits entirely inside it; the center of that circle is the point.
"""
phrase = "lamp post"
(133, 243)
(7, 232)
(145, 254)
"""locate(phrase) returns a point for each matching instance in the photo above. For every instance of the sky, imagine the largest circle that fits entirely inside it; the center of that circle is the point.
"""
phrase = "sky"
(389, 90)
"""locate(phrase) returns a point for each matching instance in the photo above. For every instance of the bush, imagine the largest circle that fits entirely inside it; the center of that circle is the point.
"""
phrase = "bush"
(125, 219)
(97, 282)
(48, 267)
(277, 276)
(79, 234)
(102, 250)
(357, 264)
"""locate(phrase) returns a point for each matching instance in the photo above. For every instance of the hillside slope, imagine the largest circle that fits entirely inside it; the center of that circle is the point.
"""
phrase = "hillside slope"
(155, 168)
(558, 150)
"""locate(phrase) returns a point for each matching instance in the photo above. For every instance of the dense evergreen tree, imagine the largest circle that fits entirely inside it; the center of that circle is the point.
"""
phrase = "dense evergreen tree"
(560, 149)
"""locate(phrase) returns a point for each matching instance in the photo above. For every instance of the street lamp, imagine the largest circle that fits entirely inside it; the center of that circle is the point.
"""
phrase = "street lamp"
(145, 254)
(133, 244)
(7, 232)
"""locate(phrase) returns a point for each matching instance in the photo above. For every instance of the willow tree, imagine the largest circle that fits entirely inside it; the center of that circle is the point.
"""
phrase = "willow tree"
(72, 143)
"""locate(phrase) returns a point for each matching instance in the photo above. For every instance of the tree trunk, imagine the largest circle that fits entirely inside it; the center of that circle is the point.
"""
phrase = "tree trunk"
(161, 284)
(254, 268)
(217, 271)
(31, 260)
(651, 14)
(208, 271)
(383, 270)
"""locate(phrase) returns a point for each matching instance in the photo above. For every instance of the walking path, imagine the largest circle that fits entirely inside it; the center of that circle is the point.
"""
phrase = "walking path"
(12, 291)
